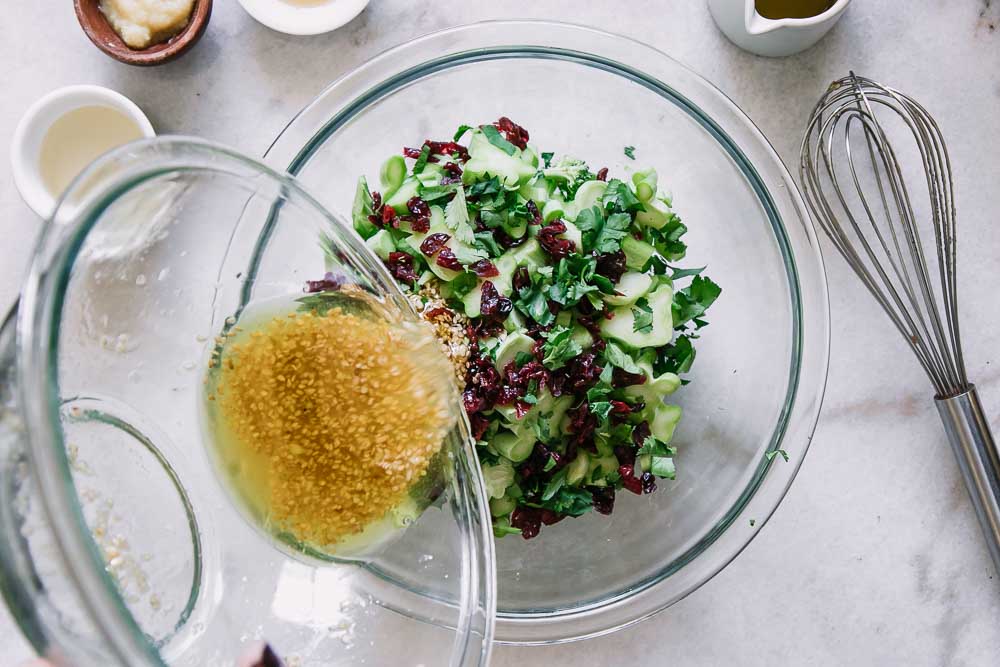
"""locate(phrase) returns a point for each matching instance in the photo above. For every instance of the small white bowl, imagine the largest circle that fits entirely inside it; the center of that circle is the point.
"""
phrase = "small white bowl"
(303, 19)
(26, 145)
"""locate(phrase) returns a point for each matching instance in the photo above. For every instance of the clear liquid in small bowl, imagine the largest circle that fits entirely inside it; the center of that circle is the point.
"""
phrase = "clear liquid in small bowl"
(326, 417)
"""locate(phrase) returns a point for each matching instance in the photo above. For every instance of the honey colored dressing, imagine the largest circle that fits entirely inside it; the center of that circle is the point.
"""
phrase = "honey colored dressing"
(792, 9)
(77, 138)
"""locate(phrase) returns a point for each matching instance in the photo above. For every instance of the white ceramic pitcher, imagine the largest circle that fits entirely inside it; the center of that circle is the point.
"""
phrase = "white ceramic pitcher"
(741, 23)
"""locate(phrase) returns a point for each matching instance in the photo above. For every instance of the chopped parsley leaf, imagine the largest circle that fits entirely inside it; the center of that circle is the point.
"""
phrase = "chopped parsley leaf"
(770, 455)
(425, 153)
(630, 152)
(559, 348)
(493, 136)
(642, 313)
(619, 358)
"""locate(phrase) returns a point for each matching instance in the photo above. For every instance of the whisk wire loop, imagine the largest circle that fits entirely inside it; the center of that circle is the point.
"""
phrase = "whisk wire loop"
(856, 188)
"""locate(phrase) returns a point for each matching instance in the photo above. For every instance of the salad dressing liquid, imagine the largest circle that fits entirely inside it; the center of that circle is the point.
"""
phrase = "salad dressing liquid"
(792, 9)
(325, 417)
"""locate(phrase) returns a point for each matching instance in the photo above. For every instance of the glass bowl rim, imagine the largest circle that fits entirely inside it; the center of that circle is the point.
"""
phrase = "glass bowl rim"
(352, 93)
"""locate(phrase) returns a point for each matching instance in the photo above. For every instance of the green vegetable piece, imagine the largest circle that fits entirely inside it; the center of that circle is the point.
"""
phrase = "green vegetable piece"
(555, 483)
(554, 208)
(657, 213)
(361, 209)
(502, 528)
(658, 331)
(559, 348)
(425, 153)
(632, 286)
(513, 345)
(392, 174)
(691, 302)
(514, 447)
(404, 193)
(600, 234)
(501, 507)
(642, 317)
(487, 160)
(577, 470)
(645, 184)
(617, 357)
(589, 194)
(637, 253)
(494, 137)
(665, 419)
(619, 197)
(381, 244)
(630, 152)
(498, 477)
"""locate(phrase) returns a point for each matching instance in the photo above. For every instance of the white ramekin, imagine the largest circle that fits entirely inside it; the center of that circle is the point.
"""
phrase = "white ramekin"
(303, 20)
(26, 145)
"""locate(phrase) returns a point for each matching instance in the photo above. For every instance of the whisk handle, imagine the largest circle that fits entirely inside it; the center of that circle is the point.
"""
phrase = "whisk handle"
(976, 451)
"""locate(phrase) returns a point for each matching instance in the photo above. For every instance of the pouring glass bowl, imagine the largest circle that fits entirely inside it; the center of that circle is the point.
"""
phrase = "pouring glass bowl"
(119, 545)
(759, 379)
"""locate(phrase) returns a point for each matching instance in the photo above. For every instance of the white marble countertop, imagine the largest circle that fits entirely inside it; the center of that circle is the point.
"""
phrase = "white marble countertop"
(875, 557)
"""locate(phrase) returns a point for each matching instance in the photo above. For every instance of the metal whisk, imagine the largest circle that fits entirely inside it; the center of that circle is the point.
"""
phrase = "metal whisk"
(856, 186)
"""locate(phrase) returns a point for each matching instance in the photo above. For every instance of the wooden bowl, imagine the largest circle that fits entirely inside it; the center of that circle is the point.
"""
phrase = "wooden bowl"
(104, 37)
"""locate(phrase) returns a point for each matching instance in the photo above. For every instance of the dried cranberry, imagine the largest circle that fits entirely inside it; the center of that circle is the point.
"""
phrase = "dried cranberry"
(389, 216)
(582, 372)
(431, 313)
(602, 174)
(484, 268)
(522, 279)
(400, 266)
(521, 408)
(376, 200)
(629, 480)
(448, 148)
(479, 425)
(438, 148)
(640, 433)
(329, 282)
(620, 408)
(625, 455)
(582, 423)
(620, 378)
(505, 240)
(452, 169)
(536, 216)
(528, 519)
(434, 243)
(513, 132)
(603, 499)
(418, 207)
(648, 482)
(611, 265)
(548, 238)
(447, 259)
(549, 517)
(492, 306)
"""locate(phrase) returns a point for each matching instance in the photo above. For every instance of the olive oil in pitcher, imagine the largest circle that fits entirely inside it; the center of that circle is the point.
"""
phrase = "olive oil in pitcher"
(792, 9)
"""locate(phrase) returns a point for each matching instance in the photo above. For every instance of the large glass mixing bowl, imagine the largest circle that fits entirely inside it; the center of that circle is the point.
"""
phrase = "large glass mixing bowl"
(118, 543)
(761, 369)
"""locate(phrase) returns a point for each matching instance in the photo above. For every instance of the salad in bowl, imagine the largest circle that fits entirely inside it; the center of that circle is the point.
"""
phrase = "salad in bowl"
(556, 292)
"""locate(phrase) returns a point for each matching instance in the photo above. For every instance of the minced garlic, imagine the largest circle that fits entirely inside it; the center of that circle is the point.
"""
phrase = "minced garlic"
(142, 23)
(329, 418)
